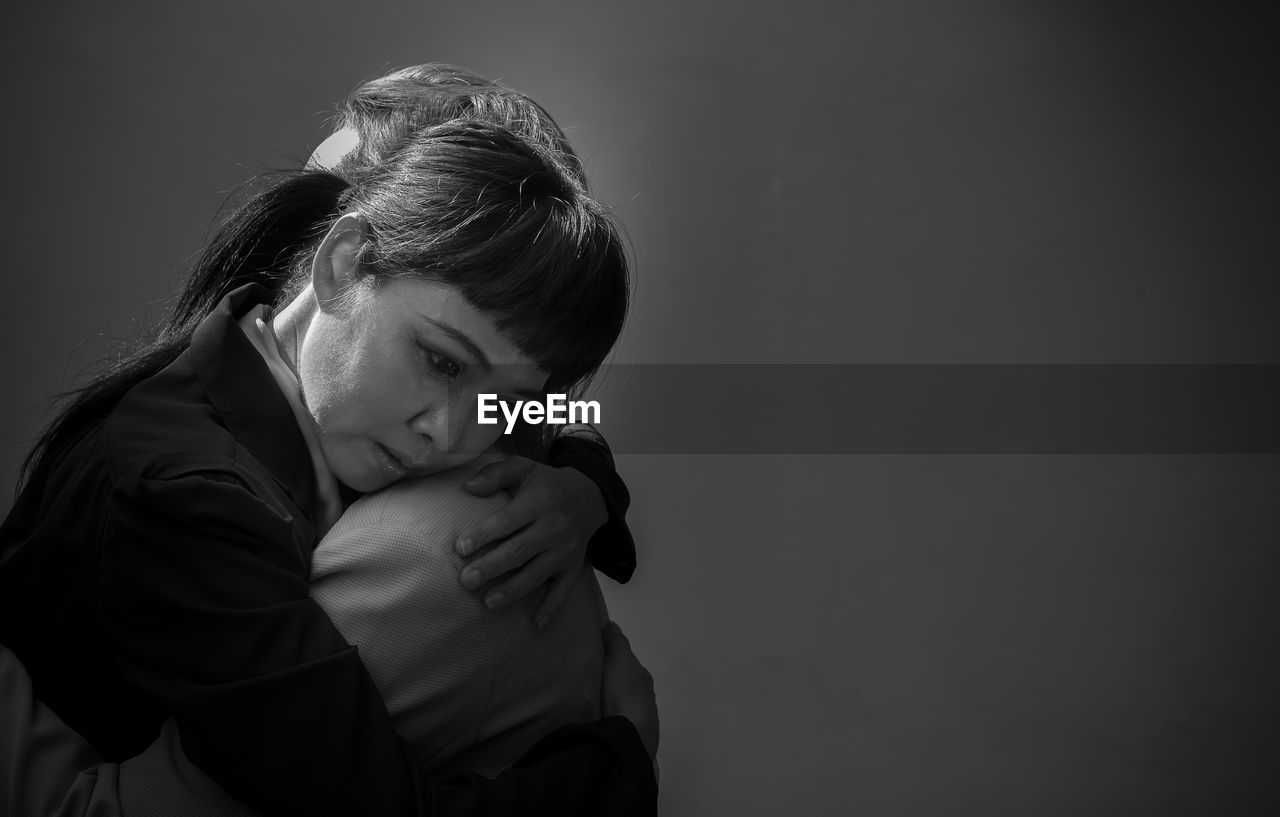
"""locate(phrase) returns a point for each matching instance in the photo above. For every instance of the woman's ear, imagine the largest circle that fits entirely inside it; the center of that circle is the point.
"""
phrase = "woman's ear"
(336, 266)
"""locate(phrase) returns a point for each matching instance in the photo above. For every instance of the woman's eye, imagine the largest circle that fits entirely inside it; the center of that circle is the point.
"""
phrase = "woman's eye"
(443, 367)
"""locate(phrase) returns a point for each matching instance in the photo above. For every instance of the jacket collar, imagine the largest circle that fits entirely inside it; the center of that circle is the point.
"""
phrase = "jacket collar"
(240, 387)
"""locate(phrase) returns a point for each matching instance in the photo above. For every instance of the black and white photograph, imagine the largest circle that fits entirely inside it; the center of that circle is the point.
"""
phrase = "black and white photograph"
(684, 408)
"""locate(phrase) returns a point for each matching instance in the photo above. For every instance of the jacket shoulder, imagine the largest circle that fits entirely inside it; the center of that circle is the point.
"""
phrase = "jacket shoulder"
(166, 418)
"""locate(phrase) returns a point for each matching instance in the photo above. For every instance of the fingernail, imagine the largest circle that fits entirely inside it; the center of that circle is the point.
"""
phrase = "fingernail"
(494, 600)
(464, 546)
(471, 579)
(543, 622)
(472, 482)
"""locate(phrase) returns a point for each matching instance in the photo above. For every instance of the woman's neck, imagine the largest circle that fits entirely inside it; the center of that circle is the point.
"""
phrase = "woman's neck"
(290, 326)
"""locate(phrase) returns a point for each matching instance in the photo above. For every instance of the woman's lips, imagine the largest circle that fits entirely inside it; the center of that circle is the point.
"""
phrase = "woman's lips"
(389, 460)
(405, 463)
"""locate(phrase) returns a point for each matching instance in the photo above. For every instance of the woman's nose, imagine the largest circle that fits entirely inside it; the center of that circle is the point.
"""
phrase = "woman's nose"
(445, 422)
(433, 423)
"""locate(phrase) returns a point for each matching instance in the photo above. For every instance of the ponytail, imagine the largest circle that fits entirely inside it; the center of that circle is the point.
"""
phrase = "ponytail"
(260, 242)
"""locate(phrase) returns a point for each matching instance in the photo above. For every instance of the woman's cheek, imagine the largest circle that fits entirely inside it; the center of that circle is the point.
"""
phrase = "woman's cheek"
(471, 438)
(468, 438)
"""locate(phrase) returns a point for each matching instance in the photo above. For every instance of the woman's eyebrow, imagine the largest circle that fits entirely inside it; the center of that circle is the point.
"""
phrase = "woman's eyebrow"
(461, 337)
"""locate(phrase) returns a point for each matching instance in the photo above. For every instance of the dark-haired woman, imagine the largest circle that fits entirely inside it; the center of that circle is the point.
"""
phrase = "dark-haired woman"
(155, 564)
(374, 121)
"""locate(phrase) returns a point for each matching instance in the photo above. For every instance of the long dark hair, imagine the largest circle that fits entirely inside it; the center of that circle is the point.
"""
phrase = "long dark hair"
(276, 215)
(472, 204)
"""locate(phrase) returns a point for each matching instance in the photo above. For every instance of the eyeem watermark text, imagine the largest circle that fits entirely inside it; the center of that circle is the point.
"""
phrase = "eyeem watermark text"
(558, 410)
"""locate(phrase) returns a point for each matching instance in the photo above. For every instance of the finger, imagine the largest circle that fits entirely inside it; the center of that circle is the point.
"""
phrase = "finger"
(498, 475)
(518, 585)
(558, 587)
(516, 515)
(502, 558)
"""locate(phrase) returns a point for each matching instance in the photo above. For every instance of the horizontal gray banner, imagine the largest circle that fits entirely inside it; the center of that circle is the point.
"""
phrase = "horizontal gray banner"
(940, 409)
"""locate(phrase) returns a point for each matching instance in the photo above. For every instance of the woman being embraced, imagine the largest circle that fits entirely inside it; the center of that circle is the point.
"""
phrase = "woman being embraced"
(332, 342)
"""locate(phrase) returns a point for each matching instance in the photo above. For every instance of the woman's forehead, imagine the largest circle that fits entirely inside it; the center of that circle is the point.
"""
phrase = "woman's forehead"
(444, 308)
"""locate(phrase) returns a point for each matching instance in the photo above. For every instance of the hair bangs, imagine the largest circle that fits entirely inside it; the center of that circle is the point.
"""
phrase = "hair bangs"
(509, 224)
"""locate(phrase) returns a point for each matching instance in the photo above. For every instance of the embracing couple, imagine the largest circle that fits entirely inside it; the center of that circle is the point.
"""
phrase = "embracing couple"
(271, 563)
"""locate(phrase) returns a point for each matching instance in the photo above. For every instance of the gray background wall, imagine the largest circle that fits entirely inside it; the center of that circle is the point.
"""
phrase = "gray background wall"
(893, 182)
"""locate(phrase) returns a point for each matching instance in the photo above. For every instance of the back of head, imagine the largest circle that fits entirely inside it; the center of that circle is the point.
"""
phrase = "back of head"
(383, 113)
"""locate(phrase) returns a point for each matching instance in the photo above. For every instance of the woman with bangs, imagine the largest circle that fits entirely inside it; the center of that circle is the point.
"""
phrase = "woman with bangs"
(332, 342)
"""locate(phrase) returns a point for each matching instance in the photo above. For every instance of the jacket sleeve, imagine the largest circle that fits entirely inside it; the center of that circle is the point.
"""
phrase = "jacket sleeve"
(204, 598)
(612, 550)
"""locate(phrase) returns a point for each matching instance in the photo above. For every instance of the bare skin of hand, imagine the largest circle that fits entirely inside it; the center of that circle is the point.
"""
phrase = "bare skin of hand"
(627, 689)
(538, 541)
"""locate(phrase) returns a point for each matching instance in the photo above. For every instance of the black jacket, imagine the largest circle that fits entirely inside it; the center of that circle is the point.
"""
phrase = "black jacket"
(159, 567)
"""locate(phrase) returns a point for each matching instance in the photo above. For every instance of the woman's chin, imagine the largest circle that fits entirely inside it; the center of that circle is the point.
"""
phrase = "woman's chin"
(367, 477)
(383, 469)
(364, 483)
